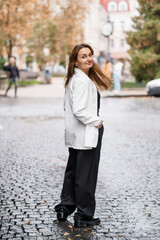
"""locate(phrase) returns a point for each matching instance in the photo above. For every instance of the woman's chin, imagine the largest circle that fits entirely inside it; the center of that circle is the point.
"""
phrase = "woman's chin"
(89, 66)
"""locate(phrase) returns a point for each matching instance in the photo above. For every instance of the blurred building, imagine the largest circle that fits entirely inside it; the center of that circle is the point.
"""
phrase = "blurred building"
(120, 13)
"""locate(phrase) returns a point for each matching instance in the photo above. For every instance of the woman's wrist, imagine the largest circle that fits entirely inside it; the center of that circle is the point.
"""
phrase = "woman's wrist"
(100, 125)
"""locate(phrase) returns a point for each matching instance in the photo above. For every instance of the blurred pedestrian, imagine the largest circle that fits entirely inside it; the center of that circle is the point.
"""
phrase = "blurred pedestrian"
(47, 73)
(101, 59)
(107, 68)
(117, 73)
(13, 74)
(83, 135)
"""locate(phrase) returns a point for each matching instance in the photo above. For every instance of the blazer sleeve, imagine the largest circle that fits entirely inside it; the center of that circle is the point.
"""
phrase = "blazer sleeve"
(80, 98)
(6, 68)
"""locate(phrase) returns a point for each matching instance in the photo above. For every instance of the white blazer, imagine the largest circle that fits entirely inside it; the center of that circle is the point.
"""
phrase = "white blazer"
(80, 104)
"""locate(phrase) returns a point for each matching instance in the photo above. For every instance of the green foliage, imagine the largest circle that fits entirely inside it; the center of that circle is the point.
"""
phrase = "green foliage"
(29, 59)
(51, 37)
(37, 42)
(2, 61)
(158, 73)
(145, 41)
(133, 84)
(25, 83)
(144, 65)
(43, 36)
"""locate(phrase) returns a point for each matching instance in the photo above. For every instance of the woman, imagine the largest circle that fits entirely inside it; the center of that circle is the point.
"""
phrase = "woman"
(83, 134)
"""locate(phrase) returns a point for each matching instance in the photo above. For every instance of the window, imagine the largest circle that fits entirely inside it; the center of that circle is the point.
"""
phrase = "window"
(112, 6)
(122, 43)
(111, 43)
(122, 25)
(123, 6)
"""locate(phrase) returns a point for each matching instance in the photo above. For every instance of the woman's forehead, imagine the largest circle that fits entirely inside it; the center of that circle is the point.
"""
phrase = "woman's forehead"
(84, 51)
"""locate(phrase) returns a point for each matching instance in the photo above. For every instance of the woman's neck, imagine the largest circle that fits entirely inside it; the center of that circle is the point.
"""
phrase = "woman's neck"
(86, 71)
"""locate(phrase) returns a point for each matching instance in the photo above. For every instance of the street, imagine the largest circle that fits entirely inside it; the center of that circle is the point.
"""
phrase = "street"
(33, 159)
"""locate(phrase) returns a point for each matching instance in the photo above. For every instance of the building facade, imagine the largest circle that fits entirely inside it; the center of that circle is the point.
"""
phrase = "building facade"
(120, 13)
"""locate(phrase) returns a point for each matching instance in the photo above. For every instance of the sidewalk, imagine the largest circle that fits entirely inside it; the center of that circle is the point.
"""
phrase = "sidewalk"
(56, 90)
(126, 92)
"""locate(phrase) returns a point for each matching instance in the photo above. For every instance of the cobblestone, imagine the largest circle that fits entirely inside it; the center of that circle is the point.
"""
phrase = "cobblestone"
(33, 160)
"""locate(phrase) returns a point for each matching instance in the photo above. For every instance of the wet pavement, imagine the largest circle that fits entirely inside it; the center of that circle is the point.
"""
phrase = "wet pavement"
(33, 159)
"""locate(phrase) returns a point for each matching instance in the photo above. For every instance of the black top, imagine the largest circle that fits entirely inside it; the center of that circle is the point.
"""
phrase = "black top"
(13, 70)
(98, 102)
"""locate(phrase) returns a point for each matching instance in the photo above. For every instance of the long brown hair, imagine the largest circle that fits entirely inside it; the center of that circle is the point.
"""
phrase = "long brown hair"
(95, 73)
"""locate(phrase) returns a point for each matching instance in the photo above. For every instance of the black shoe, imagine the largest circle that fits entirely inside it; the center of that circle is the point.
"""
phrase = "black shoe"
(62, 215)
(78, 223)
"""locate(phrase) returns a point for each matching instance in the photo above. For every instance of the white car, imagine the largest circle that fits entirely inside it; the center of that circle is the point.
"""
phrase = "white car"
(153, 87)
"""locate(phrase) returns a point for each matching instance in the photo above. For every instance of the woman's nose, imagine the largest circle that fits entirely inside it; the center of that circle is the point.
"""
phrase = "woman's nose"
(89, 58)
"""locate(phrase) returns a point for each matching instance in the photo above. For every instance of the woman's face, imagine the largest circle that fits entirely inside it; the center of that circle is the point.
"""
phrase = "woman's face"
(84, 59)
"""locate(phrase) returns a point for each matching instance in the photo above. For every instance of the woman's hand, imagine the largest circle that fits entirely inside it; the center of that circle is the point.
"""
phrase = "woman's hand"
(100, 125)
(6, 64)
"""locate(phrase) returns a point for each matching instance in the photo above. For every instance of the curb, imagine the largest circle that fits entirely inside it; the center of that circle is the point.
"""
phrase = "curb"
(125, 95)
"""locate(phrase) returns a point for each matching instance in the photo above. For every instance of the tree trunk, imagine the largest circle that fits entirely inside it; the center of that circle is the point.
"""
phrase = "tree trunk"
(10, 48)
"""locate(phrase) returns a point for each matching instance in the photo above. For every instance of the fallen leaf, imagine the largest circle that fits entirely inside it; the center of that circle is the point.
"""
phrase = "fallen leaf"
(66, 233)
(69, 239)
(87, 229)
(70, 226)
(78, 235)
(29, 222)
(117, 235)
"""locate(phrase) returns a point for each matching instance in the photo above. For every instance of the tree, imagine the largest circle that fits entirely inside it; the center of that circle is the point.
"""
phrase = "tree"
(16, 20)
(43, 36)
(70, 22)
(36, 43)
(145, 41)
(37, 25)
(60, 31)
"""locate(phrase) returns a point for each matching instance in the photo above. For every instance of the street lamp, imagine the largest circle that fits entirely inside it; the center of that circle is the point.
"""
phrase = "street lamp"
(107, 30)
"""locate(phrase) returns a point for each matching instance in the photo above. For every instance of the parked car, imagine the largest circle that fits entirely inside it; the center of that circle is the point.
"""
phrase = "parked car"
(153, 87)
(26, 74)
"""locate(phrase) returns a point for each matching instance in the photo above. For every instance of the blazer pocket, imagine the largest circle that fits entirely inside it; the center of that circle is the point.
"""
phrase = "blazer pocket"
(91, 136)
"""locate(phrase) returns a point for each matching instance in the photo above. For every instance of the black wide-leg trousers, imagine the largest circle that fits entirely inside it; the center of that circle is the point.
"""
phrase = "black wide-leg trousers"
(80, 180)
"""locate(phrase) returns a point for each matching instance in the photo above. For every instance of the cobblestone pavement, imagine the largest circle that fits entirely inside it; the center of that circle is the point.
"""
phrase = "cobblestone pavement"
(33, 159)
